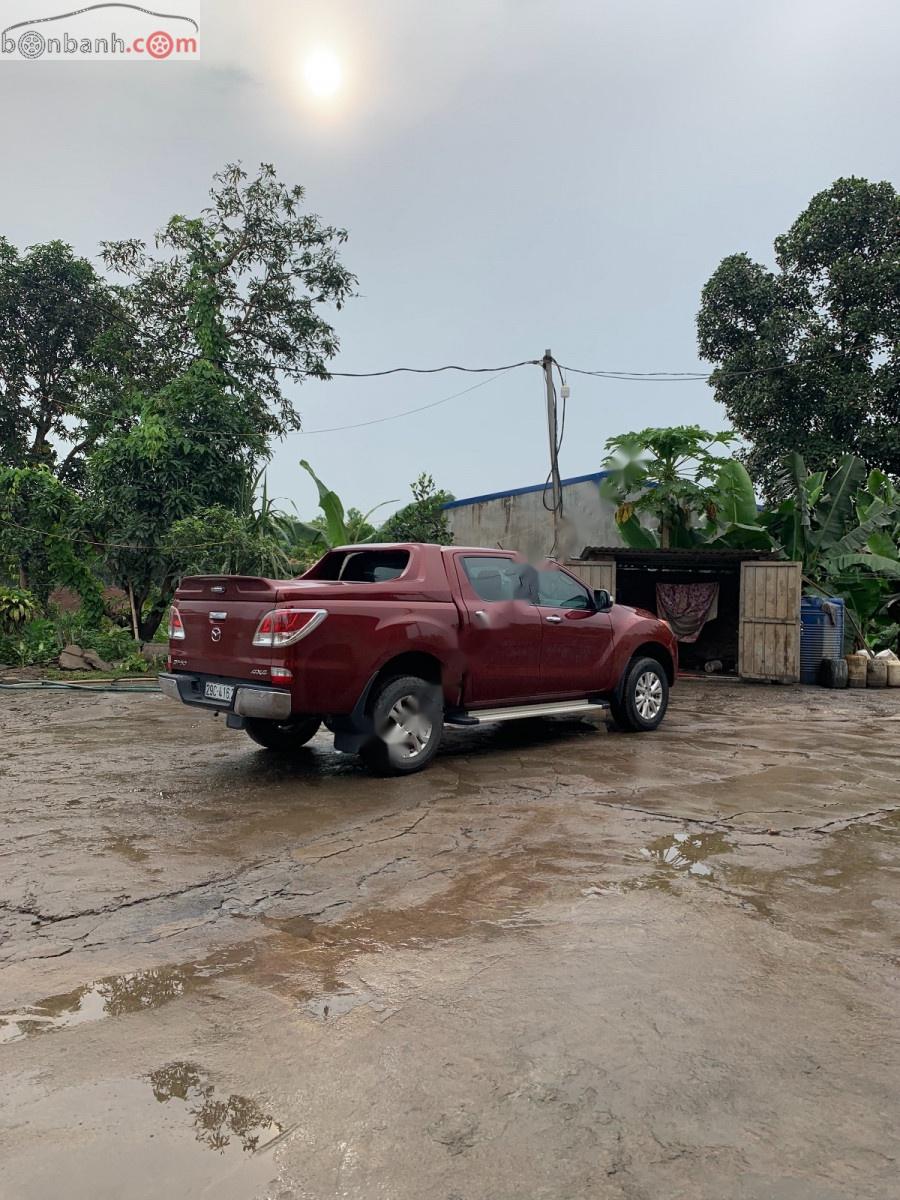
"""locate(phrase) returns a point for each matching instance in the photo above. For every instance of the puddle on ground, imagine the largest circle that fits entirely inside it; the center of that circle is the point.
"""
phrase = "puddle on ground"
(672, 856)
(172, 1132)
(126, 848)
(217, 1122)
(306, 960)
(687, 852)
(113, 996)
(338, 1004)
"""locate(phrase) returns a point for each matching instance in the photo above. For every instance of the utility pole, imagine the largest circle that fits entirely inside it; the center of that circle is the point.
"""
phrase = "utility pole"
(547, 363)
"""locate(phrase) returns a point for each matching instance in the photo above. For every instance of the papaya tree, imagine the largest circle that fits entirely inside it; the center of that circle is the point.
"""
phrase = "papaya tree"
(693, 496)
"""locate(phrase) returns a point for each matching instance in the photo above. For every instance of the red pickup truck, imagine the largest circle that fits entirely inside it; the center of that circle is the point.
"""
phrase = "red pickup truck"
(386, 644)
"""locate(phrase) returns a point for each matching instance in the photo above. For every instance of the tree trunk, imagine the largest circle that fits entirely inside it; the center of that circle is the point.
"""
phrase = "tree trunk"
(153, 619)
(135, 623)
(151, 622)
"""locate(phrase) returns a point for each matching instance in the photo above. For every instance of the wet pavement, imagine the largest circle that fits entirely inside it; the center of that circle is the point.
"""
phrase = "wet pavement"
(562, 963)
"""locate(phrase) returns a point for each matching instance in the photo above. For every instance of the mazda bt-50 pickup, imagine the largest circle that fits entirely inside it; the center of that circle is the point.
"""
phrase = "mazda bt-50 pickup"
(387, 644)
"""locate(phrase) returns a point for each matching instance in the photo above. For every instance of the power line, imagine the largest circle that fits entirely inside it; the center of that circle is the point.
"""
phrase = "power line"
(526, 362)
(408, 412)
(672, 376)
(496, 373)
(86, 541)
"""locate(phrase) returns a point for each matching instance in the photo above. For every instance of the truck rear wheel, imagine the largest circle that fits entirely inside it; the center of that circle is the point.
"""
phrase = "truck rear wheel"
(282, 735)
(643, 697)
(408, 715)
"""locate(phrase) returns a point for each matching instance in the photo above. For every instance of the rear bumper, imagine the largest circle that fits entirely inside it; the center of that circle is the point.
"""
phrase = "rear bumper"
(247, 700)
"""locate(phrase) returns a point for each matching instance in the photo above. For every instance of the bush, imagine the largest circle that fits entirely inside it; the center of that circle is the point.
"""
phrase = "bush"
(35, 644)
(110, 641)
(17, 607)
(39, 642)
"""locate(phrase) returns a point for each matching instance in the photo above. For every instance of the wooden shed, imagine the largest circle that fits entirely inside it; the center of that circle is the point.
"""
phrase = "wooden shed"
(756, 632)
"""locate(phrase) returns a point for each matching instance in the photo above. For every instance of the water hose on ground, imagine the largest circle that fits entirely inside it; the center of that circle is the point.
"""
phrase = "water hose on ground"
(85, 685)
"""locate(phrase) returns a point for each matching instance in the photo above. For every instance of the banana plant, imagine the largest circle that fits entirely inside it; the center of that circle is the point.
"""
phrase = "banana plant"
(845, 529)
(337, 527)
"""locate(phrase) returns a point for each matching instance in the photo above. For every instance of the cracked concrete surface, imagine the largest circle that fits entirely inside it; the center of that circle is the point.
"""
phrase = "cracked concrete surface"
(563, 963)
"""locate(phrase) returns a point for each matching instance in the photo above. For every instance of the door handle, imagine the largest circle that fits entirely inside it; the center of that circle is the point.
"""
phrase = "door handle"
(481, 615)
(554, 620)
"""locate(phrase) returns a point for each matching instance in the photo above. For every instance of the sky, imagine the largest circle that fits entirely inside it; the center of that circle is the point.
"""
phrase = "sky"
(515, 175)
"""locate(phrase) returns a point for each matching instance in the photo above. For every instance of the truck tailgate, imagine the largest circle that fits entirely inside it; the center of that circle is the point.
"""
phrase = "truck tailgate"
(220, 614)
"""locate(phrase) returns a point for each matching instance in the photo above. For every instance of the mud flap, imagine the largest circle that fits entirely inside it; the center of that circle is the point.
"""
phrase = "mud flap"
(352, 732)
(235, 721)
(349, 740)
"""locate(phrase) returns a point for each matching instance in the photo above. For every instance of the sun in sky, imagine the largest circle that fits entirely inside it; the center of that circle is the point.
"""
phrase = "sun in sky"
(323, 73)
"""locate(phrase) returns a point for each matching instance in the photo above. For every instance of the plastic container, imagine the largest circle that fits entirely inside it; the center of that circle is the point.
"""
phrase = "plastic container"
(821, 633)
(856, 670)
(833, 673)
(876, 673)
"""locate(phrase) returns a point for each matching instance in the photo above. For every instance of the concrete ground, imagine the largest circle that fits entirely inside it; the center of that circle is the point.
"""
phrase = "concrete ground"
(562, 963)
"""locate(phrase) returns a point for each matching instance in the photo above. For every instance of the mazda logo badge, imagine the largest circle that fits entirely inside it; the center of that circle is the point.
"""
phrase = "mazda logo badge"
(216, 633)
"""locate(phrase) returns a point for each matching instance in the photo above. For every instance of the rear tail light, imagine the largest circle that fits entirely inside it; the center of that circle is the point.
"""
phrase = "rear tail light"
(280, 674)
(176, 628)
(284, 626)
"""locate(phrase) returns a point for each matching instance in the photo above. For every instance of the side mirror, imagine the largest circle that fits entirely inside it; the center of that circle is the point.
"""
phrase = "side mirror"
(603, 600)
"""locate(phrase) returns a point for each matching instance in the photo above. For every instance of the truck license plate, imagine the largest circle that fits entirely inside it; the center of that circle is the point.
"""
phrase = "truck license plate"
(219, 691)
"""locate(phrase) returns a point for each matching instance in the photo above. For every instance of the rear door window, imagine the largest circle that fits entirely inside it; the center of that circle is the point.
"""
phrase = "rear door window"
(496, 579)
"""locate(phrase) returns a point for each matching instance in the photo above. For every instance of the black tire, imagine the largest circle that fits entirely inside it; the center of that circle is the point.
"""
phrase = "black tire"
(282, 735)
(833, 673)
(643, 696)
(408, 715)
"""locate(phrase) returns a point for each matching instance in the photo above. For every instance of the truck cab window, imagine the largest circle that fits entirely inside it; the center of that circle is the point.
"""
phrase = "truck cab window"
(555, 589)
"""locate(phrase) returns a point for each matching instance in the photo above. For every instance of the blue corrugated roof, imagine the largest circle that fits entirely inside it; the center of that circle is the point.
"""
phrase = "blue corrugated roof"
(595, 477)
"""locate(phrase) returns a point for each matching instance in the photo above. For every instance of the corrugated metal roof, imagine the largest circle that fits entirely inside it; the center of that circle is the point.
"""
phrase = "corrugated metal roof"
(676, 556)
(595, 477)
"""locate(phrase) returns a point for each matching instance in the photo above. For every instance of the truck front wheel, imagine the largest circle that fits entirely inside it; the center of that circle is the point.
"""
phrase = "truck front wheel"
(408, 716)
(282, 735)
(643, 697)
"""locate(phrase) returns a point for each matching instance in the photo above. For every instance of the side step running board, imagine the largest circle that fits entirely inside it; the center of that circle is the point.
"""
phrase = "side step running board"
(564, 708)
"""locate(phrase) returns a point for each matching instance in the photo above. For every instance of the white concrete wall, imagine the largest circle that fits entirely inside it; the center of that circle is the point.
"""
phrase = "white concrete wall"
(523, 523)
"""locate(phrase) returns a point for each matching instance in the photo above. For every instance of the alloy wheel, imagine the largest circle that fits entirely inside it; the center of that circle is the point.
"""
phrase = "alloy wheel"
(648, 695)
(407, 727)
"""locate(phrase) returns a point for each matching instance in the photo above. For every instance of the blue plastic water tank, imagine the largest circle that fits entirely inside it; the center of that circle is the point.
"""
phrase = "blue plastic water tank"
(821, 633)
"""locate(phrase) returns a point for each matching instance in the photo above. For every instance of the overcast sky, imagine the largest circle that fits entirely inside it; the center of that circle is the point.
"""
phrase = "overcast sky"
(514, 175)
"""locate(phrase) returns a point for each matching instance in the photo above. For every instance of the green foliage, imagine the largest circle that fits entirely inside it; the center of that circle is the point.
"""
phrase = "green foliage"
(241, 285)
(64, 339)
(808, 356)
(17, 607)
(42, 541)
(335, 527)
(422, 521)
(218, 541)
(845, 529)
(39, 642)
(191, 450)
(34, 644)
(168, 386)
(695, 496)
